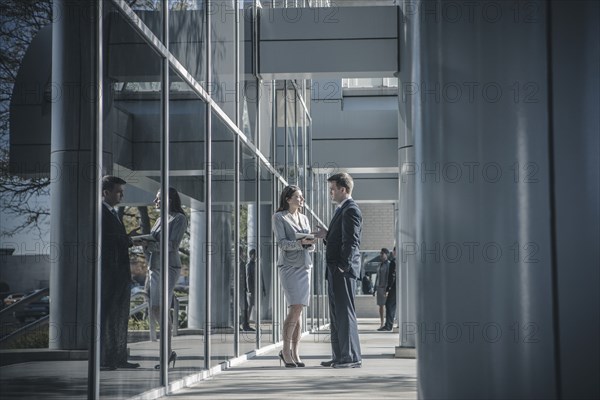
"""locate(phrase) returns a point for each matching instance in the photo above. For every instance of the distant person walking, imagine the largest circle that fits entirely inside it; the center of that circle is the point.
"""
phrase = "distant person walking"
(381, 283)
(390, 301)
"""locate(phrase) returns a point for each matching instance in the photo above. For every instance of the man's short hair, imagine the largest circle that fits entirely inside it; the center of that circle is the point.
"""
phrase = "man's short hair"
(343, 179)
(385, 251)
(109, 182)
(252, 252)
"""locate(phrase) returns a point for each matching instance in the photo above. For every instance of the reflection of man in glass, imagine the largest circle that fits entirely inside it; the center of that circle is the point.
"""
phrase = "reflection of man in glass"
(116, 279)
(244, 317)
(250, 285)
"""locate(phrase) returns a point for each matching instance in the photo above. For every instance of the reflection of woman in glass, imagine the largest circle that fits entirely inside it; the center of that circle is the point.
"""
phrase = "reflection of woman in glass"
(177, 224)
(294, 264)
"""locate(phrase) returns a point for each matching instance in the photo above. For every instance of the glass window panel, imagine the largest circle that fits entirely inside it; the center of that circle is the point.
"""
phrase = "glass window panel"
(249, 85)
(266, 121)
(266, 262)
(248, 245)
(150, 13)
(132, 140)
(301, 136)
(291, 135)
(223, 84)
(187, 36)
(280, 156)
(187, 136)
(223, 241)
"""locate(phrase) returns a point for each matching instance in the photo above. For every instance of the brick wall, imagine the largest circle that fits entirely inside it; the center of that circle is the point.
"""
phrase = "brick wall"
(378, 226)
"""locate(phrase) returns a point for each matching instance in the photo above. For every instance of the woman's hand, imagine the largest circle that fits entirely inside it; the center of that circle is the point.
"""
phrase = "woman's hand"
(307, 242)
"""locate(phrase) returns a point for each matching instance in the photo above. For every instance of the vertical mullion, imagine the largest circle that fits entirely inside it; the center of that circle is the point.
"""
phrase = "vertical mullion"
(285, 130)
(97, 145)
(236, 190)
(208, 193)
(165, 203)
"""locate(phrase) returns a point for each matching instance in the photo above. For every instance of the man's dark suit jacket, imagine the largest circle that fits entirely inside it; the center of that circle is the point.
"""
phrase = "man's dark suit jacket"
(115, 248)
(116, 278)
(391, 282)
(343, 240)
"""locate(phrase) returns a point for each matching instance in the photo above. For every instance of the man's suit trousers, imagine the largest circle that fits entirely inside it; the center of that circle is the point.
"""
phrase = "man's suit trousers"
(345, 343)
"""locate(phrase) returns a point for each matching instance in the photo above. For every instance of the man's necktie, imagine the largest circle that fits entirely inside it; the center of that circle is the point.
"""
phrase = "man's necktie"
(114, 212)
(337, 211)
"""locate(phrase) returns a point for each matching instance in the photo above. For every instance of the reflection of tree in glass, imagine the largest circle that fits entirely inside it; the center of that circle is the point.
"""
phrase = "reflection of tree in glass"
(20, 21)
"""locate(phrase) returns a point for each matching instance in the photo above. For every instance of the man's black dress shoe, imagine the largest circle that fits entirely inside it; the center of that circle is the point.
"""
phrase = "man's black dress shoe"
(384, 329)
(107, 368)
(128, 365)
(356, 364)
(327, 363)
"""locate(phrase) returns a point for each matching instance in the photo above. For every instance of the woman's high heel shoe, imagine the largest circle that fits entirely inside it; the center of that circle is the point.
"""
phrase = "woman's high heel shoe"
(287, 365)
(172, 358)
(299, 364)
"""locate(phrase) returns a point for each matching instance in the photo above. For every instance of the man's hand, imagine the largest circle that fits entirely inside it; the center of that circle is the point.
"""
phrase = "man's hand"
(320, 233)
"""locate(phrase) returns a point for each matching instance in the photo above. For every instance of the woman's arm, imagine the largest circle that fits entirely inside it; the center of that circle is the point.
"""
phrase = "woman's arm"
(285, 243)
(177, 227)
(307, 223)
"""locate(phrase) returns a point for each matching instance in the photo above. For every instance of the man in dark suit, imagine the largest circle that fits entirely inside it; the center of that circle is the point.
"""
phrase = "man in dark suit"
(116, 279)
(343, 269)
(390, 302)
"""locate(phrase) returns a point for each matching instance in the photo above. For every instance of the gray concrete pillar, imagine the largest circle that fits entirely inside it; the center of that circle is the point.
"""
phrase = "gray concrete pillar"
(575, 61)
(222, 266)
(252, 240)
(266, 260)
(406, 264)
(479, 94)
(197, 304)
(72, 176)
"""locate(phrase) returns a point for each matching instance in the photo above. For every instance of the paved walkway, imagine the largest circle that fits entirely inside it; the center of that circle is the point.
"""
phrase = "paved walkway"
(381, 375)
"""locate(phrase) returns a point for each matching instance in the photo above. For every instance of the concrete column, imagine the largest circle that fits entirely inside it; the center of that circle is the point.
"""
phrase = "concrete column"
(479, 90)
(72, 176)
(222, 265)
(252, 226)
(406, 264)
(266, 260)
(252, 240)
(197, 304)
(576, 100)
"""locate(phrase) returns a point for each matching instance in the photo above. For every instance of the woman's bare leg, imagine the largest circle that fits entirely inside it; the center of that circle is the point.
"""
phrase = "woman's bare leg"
(296, 339)
(289, 328)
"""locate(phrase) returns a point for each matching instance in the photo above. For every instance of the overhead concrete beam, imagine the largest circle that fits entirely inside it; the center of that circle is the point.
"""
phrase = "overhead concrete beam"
(328, 42)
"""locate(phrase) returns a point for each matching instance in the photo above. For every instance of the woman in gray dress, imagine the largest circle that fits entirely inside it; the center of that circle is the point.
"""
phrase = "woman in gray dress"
(294, 263)
(177, 224)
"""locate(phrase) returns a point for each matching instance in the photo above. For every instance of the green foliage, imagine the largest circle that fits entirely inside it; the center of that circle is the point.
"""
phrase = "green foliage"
(37, 339)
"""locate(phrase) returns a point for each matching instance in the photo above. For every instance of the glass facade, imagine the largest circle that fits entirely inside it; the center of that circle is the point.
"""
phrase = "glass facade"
(182, 110)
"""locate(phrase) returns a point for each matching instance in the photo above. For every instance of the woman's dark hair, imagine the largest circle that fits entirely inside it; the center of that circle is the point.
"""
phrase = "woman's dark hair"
(286, 194)
(175, 201)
